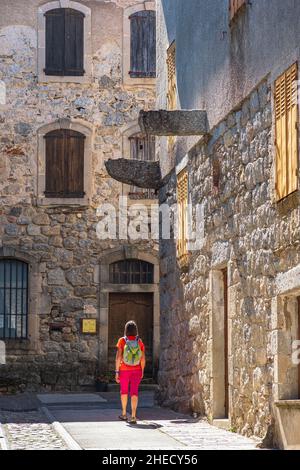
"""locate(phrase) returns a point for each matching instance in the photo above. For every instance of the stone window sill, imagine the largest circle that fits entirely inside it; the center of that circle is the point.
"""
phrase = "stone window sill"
(184, 263)
(15, 346)
(44, 201)
(144, 202)
(142, 82)
(44, 79)
(293, 404)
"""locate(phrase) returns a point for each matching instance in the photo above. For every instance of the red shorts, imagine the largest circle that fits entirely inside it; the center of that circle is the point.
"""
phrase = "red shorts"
(132, 377)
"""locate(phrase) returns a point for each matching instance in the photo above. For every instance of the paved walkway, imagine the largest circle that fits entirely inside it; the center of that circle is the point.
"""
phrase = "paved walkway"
(94, 424)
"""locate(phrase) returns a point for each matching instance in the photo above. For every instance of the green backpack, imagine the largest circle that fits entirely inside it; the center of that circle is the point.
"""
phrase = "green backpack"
(132, 354)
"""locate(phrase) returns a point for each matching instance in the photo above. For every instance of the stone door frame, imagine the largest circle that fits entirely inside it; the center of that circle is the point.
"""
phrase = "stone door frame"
(217, 346)
(284, 331)
(106, 288)
(220, 262)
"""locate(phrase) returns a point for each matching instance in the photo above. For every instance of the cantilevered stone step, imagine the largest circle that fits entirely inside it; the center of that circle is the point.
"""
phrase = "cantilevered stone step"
(174, 123)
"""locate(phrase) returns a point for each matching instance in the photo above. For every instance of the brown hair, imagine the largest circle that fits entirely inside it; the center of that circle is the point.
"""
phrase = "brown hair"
(131, 329)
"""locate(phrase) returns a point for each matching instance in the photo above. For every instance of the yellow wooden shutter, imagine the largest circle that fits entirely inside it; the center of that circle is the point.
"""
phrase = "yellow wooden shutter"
(286, 129)
(182, 201)
(172, 87)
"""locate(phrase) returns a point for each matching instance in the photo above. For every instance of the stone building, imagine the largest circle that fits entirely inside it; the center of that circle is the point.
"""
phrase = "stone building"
(73, 78)
(230, 302)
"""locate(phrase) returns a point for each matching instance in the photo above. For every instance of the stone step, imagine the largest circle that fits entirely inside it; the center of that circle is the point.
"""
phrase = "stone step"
(222, 424)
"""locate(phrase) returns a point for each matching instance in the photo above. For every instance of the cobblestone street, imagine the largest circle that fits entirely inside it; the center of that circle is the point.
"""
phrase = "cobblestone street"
(95, 425)
(30, 431)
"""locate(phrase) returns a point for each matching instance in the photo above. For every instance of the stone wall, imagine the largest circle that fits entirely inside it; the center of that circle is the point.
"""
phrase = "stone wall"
(256, 239)
(61, 240)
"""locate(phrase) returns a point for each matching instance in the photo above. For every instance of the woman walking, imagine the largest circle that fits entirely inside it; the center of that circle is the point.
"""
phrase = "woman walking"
(130, 365)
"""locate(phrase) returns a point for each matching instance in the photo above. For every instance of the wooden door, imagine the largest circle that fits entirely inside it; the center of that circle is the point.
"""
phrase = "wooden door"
(122, 308)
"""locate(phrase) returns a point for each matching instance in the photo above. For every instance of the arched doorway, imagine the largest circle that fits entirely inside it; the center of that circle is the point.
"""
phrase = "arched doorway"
(125, 306)
(129, 291)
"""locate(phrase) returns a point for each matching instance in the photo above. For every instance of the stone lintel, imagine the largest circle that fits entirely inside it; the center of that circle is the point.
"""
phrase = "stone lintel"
(135, 172)
(174, 123)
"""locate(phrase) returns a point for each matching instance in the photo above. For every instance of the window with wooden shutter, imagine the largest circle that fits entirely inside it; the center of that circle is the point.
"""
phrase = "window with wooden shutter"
(286, 130)
(216, 174)
(182, 207)
(64, 164)
(143, 44)
(235, 7)
(172, 88)
(142, 147)
(64, 42)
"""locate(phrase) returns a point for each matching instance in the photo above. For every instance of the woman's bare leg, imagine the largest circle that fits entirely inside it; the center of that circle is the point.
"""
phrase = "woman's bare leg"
(124, 400)
(134, 404)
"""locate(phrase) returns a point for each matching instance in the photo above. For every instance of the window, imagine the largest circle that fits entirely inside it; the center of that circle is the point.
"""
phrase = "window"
(286, 130)
(172, 88)
(216, 175)
(235, 7)
(13, 299)
(64, 164)
(142, 148)
(182, 207)
(143, 44)
(131, 272)
(64, 42)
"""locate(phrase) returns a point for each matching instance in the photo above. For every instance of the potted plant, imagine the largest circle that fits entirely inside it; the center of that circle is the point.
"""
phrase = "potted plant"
(101, 383)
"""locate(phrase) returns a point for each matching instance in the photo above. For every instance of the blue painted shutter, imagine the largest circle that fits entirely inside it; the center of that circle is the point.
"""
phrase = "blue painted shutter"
(143, 44)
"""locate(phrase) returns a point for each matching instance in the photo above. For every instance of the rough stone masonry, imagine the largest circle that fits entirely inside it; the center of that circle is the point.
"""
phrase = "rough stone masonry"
(245, 229)
(61, 241)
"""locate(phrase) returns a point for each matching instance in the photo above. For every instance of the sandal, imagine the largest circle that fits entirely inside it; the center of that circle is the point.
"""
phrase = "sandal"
(132, 420)
(123, 417)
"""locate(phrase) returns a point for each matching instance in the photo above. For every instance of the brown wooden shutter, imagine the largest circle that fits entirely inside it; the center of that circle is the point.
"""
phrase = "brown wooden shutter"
(55, 42)
(74, 164)
(286, 130)
(142, 147)
(74, 42)
(55, 164)
(143, 44)
(64, 164)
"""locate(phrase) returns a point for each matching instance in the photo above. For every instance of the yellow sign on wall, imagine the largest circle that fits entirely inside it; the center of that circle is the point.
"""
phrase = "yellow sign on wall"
(89, 326)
